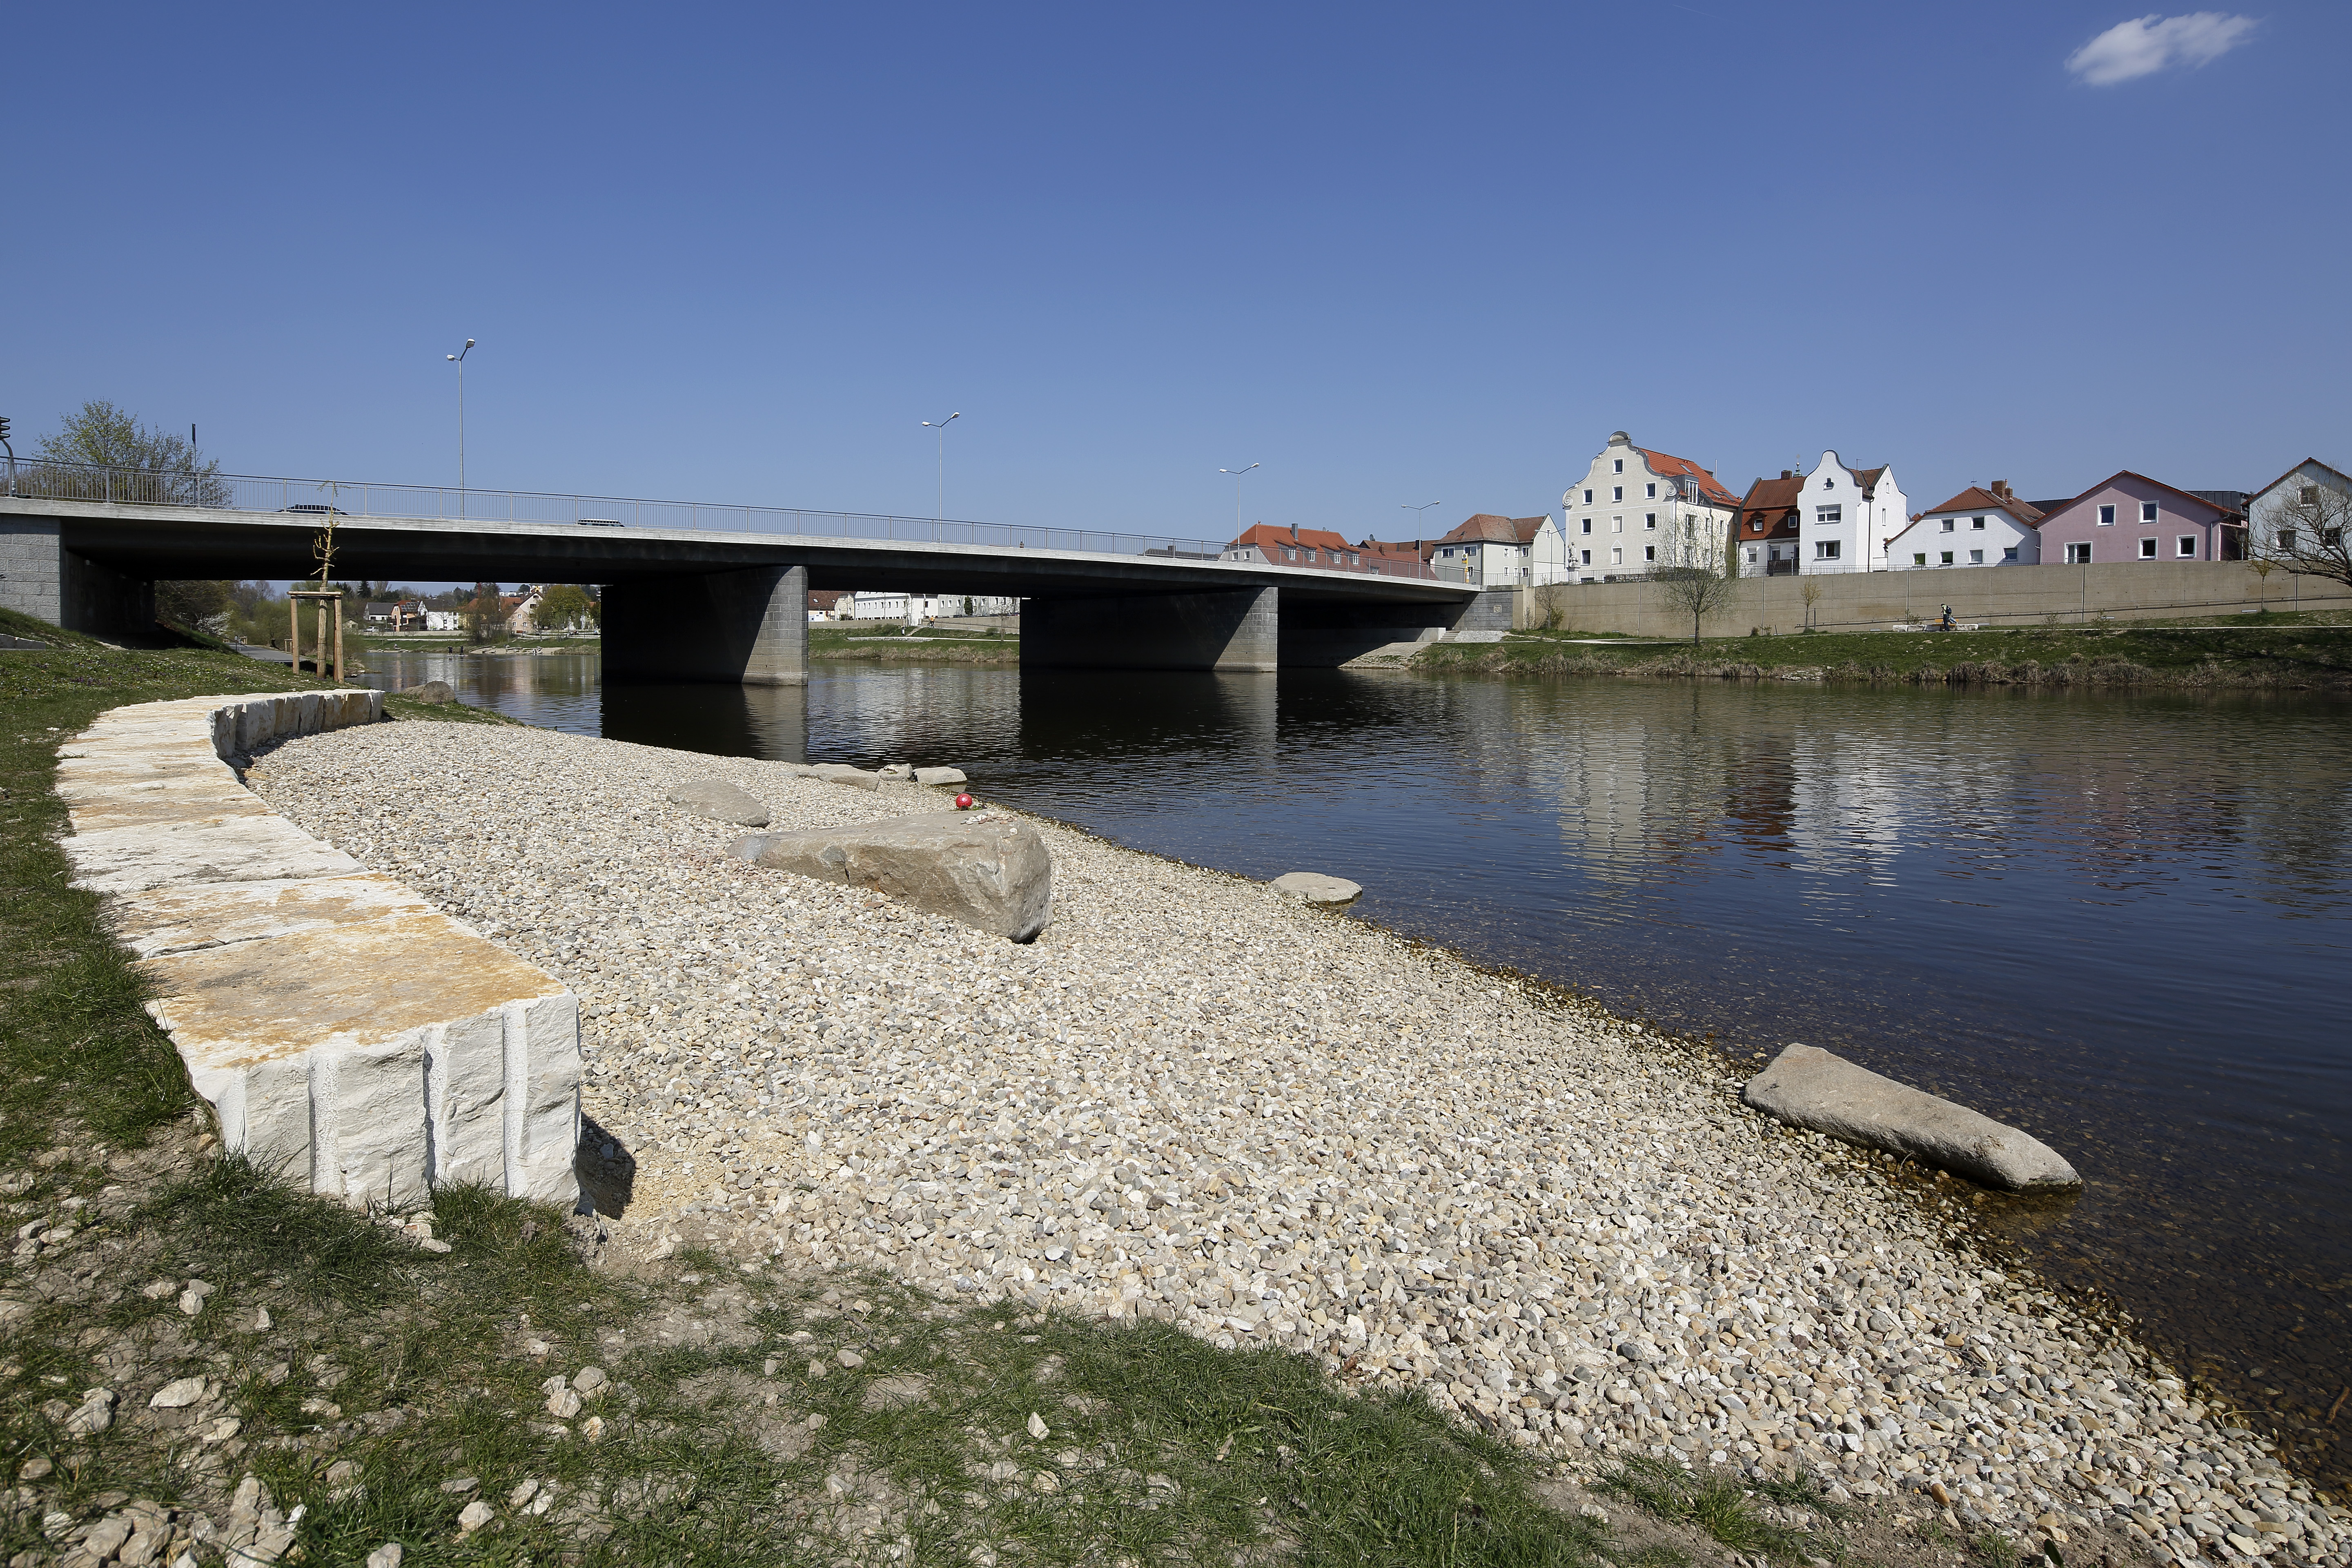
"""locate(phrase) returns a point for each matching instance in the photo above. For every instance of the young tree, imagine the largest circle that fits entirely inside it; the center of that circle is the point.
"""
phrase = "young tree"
(1810, 590)
(486, 617)
(143, 465)
(1697, 578)
(2305, 529)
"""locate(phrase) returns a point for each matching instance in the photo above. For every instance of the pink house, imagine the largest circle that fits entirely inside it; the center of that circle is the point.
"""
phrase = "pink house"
(2133, 517)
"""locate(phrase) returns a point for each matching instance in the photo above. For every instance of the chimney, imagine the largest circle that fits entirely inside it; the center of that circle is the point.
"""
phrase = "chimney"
(1788, 474)
(2000, 489)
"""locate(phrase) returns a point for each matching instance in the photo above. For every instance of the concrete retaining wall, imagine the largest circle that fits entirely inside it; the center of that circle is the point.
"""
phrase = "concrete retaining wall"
(1993, 595)
(345, 1032)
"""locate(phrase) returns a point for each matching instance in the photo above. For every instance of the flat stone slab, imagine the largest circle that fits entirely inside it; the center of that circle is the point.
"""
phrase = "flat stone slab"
(985, 868)
(939, 776)
(346, 1033)
(720, 802)
(1808, 1087)
(843, 773)
(1314, 887)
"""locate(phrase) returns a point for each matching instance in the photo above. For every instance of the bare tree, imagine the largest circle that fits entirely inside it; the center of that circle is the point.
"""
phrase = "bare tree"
(1697, 576)
(2307, 530)
(1810, 590)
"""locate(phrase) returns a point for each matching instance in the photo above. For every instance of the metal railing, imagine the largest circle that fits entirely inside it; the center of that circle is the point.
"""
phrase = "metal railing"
(39, 479)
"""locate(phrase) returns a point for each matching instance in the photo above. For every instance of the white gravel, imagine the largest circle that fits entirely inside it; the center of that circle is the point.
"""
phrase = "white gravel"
(1272, 1124)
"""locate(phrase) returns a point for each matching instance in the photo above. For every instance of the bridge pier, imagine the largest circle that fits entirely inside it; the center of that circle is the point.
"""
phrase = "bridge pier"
(1228, 629)
(40, 577)
(748, 627)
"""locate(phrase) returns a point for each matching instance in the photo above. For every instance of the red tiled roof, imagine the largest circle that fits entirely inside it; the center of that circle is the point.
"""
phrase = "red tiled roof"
(1768, 510)
(1975, 498)
(1488, 527)
(1672, 467)
(1266, 534)
(1400, 550)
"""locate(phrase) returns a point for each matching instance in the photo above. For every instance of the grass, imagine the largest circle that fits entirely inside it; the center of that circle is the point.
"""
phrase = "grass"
(1723, 1506)
(878, 640)
(2301, 656)
(751, 1419)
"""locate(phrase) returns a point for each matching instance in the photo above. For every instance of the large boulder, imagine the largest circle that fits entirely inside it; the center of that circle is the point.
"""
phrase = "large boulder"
(1808, 1087)
(1314, 887)
(430, 691)
(721, 802)
(984, 868)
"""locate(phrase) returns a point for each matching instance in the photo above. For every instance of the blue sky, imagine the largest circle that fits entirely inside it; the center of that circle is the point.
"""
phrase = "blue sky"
(1392, 254)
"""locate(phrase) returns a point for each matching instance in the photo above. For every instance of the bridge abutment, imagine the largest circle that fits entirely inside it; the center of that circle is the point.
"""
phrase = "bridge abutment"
(748, 627)
(40, 577)
(1231, 629)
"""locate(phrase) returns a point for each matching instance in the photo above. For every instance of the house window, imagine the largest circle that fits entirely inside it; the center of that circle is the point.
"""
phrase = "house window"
(2148, 512)
(1945, 560)
(1617, 492)
(1946, 525)
(1976, 524)
(2186, 547)
(1618, 466)
(2147, 550)
(1751, 555)
(1976, 557)
(1616, 556)
(1918, 558)
(1616, 525)
(2078, 554)
(1649, 553)
(1588, 526)
(2286, 539)
(1588, 497)
(1826, 549)
(2308, 495)
(2106, 517)
(1650, 492)
(1650, 519)
(1827, 516)
(2009, 553)
(1588, 557)
(1828, 484)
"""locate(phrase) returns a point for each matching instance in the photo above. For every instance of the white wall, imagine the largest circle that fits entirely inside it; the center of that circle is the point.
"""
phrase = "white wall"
(1550, 561)
(1958, 532)
(1862, 525)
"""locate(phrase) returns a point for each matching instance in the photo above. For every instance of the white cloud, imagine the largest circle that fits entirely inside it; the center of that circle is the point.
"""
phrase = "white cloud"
(2149, 44)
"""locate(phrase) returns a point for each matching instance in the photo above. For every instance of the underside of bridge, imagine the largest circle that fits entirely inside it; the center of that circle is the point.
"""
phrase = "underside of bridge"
(734, 608)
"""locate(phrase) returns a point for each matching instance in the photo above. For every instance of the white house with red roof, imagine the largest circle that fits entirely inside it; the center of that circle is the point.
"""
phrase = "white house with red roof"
(1638, 510)
(1984, 525)
(1488, 550)
(1316, 547)
(1847, 516)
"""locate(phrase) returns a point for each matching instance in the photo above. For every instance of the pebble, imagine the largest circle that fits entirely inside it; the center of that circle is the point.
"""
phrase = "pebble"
(1194, 1100)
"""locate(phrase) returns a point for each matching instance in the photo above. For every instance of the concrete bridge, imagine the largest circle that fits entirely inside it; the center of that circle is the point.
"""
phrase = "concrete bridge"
(723, 598)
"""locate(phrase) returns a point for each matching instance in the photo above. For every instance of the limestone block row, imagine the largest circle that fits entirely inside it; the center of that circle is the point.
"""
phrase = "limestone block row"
(344, 1031)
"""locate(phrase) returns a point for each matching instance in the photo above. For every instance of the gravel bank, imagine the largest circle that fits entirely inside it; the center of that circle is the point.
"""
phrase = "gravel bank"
(1196, 1099)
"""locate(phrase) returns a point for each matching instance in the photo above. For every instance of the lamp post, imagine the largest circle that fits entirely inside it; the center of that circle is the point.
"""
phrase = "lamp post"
(459, 359)
(1237, 474)
(940, 506)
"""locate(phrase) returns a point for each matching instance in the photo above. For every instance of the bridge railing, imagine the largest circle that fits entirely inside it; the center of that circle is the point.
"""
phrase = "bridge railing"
(41, 480)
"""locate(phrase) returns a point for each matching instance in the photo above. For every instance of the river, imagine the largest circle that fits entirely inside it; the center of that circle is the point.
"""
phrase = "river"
(2123, 922)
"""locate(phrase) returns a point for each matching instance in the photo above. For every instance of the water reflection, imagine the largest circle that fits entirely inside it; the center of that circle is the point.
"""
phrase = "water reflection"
(2123, 922)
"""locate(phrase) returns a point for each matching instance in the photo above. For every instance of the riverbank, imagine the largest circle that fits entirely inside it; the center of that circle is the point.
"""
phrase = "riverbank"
(876, 640)
(200, 1358)
(2298, 657)
(1267, 1126)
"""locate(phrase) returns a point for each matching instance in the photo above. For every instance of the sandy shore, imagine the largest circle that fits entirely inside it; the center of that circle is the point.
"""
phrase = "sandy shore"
(1270, 1124)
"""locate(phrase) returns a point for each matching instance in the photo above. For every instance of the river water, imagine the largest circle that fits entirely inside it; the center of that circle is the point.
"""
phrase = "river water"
(2123, 922)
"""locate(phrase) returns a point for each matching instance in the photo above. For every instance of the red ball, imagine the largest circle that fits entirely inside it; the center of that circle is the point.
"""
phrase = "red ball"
(963, 802)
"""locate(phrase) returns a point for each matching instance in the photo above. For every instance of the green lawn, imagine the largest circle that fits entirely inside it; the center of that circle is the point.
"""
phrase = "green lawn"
(2298, 655)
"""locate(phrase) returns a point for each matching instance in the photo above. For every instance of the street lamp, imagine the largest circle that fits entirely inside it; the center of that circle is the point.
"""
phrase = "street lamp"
(1237, 474)
(940, 506)
(1416, 511)
(459, 359)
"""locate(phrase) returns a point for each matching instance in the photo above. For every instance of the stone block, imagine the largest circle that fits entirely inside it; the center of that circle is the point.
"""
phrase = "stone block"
(1808, 1087)
(220, 849)
(212, 914)
(720, 802)
(986, 868)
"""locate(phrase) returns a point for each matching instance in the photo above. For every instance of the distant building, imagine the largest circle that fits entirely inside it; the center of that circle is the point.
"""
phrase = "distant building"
(1984, 525)
(1402, 558)
(1638, 510)
(1488, 550)
(2284, 514)
(1847, 516)
(1764, 535)
(2130, 517)
(445, 620)
(917, 607)
(1310, 547)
